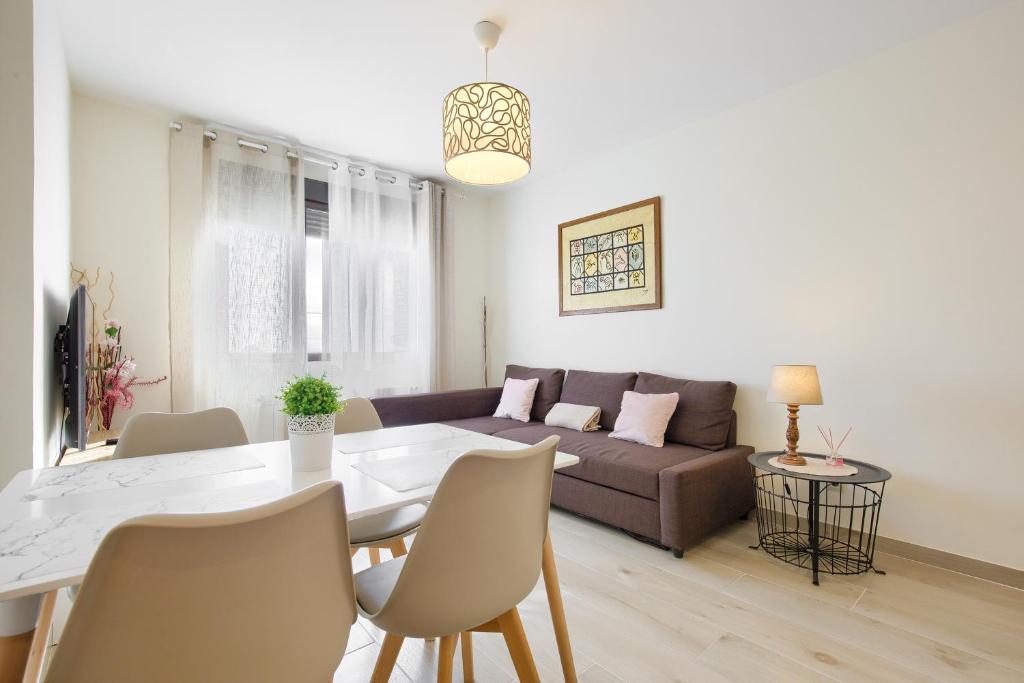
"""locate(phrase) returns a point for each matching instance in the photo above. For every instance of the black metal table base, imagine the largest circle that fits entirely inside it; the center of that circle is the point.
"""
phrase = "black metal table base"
(826, 526)
(830, 559)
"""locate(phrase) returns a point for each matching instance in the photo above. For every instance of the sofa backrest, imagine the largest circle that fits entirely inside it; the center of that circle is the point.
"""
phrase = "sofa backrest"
(549, 388)
(703, 418)
(601, 389)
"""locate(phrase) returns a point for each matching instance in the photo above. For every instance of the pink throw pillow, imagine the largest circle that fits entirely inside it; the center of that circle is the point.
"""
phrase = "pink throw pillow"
(517, 399)
(644, 417)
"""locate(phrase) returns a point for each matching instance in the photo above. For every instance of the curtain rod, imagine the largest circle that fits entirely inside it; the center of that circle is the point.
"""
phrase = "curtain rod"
(330, 163)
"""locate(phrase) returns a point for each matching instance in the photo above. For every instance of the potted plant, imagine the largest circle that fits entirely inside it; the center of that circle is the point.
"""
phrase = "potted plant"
(310, 404)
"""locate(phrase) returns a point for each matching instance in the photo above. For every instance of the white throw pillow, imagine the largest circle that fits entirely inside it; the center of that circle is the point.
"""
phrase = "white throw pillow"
(644, 417)
(517, 399)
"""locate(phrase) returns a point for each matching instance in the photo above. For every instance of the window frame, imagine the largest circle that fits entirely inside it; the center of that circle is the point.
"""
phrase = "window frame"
(323, 233)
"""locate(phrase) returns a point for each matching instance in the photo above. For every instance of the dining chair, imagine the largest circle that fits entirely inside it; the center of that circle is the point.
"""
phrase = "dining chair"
(387, 530)
(477, 556)
(157, 433)
(261, 594)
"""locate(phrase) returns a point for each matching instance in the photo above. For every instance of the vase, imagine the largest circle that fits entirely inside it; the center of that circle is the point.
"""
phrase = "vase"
(310, 439)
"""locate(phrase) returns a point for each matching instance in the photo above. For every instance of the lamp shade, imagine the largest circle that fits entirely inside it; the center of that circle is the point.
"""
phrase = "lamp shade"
(486, 134)
(795, 385)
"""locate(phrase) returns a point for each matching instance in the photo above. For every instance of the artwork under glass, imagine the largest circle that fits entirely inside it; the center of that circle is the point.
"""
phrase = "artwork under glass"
(610, 261)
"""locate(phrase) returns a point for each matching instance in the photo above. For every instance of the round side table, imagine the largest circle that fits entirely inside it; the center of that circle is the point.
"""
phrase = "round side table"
(823, 523)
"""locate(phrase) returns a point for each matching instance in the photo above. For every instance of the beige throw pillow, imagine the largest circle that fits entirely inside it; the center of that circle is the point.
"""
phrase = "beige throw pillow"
(517, 399)
(644, 417)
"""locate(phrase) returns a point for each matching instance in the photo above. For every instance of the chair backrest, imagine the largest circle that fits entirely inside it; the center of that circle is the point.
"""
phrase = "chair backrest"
(478, 552)
(156, 433)
(263, 594)
(359, 415)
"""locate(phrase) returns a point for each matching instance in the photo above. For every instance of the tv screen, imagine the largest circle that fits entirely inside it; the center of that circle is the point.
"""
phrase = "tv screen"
(70, 347)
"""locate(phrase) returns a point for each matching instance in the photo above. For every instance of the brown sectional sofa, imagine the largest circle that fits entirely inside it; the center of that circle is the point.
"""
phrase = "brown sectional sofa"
(673, 496)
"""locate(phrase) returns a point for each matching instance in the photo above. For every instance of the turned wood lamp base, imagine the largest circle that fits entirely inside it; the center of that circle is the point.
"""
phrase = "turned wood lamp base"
(791, 457)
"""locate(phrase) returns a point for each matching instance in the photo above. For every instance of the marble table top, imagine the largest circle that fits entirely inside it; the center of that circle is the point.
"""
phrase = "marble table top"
(53, 482)
(52, 522)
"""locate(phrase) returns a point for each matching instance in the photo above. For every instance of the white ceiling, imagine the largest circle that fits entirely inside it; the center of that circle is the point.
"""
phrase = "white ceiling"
(366, 78)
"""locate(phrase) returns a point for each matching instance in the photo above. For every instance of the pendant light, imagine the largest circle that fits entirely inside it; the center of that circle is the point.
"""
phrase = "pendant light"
(486, 126)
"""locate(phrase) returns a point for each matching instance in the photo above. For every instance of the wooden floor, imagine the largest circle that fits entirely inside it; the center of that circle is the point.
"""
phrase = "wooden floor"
(728, 613)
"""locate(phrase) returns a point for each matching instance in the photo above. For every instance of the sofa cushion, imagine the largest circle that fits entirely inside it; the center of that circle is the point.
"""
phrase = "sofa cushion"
(485, 425)
(704, 413)
(548, 391)
(644, 417)
(601, 389)
(621, 465)
(517, 399)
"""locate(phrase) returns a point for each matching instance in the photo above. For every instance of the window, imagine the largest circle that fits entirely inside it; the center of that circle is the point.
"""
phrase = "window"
(316, 244)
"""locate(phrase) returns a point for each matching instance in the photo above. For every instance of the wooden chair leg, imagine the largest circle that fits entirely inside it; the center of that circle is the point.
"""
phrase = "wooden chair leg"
(467, 657)
(518, 647)
(387, 658)
(550, 572)
(446, 658)
(40, 639)
(398, 548)
(374, 557)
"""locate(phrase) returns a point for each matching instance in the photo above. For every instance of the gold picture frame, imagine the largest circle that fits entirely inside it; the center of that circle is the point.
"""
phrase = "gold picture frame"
(611, 261)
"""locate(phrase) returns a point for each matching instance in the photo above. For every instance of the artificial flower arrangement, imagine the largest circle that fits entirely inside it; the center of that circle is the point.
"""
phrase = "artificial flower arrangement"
(110, 372)
(111, 378)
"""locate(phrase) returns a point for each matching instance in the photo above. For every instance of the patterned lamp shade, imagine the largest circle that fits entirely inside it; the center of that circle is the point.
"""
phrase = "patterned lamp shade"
(486, 134)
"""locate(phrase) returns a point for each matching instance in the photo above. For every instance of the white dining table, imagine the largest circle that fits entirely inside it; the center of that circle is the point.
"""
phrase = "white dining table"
(53, 519)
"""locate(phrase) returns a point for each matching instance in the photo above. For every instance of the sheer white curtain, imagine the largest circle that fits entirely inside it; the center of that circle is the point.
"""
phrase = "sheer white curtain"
(386, 290)
(246, 291)
(238, 280)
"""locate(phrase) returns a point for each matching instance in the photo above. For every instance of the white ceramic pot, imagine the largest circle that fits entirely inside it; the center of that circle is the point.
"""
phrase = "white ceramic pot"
(310, 438)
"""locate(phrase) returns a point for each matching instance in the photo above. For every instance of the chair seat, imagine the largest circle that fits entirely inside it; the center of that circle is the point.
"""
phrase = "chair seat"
(386, 525)
(374, 585)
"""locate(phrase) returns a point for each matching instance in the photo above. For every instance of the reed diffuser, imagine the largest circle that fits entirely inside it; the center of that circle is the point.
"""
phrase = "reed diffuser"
(834, 458)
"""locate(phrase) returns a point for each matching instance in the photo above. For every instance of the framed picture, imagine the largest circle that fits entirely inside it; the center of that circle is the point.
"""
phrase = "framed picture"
(611, 261)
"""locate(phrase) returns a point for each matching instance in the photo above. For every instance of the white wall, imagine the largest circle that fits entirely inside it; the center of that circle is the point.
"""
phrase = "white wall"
(869, 221)
(34, 172)
(119, 195)
(16, 182)
(52, 216)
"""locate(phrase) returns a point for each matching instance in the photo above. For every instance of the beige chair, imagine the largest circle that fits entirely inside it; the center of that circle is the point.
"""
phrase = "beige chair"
(358, 415)
(263, 594)
(156, 433)
(476, 556)
(385, 531)
(159, 433)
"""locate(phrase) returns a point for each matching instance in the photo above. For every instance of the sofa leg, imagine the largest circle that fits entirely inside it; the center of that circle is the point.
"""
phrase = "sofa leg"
(678, 552)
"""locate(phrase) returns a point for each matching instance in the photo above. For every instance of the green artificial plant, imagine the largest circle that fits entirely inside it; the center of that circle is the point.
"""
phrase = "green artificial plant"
(310, 396)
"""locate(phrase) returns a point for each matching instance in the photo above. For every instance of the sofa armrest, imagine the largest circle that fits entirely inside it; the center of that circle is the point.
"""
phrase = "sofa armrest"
(701, 495)
(395, 411)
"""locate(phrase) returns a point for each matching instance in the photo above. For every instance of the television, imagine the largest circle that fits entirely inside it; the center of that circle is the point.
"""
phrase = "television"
(69, 346)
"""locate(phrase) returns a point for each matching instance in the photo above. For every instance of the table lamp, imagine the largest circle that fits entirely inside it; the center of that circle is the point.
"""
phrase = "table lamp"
(794, 385)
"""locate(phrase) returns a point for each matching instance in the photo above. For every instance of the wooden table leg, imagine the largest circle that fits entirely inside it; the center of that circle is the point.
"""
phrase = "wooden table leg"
(14, 656)
(550, 572)
(40, 641)
(21, 655)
